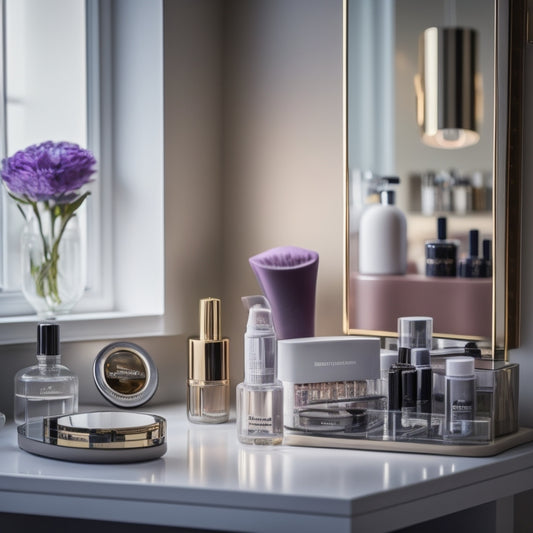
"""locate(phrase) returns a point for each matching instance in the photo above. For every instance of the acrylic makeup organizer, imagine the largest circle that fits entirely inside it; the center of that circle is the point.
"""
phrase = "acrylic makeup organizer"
(363, 422)
(328, 403)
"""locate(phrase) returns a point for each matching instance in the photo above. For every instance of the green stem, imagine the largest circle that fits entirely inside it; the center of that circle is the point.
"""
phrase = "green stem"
(40, 222)
(45, 275)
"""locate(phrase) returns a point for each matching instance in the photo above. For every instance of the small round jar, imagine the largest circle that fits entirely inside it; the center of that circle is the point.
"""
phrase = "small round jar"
(441, 259)
(125, 374)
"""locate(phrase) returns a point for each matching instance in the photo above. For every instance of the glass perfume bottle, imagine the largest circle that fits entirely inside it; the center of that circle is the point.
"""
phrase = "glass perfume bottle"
(47, 388)
(260, 396)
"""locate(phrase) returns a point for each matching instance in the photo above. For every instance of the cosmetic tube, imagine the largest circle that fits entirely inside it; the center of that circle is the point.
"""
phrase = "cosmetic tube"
(420, 359)
(460, 395)
(208, 398)
(402, 396)
(394, 401)
(409, 383)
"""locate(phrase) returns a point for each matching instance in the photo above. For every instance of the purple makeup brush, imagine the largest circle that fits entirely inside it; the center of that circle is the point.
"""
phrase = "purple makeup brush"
(287, 276)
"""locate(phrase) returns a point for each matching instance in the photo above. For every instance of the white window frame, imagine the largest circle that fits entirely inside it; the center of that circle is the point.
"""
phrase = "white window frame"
(129, 147)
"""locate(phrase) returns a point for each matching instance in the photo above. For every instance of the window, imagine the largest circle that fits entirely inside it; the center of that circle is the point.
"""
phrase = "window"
(45, 94)
(118, 114)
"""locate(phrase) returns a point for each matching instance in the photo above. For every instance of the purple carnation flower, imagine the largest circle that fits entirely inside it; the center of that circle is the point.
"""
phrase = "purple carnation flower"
(48, 171)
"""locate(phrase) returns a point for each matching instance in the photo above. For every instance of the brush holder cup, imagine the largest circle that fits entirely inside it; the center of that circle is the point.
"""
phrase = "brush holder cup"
(287, 276)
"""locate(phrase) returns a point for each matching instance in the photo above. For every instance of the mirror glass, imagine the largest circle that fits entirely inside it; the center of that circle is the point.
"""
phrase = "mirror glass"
(389, 64)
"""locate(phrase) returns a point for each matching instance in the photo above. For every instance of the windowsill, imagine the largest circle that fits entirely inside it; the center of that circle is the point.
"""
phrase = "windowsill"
(85, 326)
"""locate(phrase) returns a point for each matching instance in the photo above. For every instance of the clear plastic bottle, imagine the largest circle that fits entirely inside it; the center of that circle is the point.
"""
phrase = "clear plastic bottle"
(460, 396)
(48, 388)
(260, 396)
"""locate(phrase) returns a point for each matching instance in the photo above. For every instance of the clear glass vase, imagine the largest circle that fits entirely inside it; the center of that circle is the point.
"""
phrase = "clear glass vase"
(53, 263)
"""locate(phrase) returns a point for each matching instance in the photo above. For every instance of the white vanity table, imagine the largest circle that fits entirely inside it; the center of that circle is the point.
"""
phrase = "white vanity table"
(207, 480)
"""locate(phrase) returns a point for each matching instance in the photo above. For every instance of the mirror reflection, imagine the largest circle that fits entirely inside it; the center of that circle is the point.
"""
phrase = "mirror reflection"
(420, 137)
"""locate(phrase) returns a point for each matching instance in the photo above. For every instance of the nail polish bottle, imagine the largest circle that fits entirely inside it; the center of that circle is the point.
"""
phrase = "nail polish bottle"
(441, 254)
(260, 396)
(208, 399)
(472, 266)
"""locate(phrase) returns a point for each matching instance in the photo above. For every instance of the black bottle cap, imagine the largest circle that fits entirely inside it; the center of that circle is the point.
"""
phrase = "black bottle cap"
(474, 242)
(441, 228)
(47, 339)
(487, 249)
(390, 180)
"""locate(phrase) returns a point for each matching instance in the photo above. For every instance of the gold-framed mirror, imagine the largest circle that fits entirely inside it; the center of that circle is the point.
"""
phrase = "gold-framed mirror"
(387, 67)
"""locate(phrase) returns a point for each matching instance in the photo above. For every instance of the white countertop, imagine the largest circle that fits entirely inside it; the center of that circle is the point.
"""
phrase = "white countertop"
(208, 480)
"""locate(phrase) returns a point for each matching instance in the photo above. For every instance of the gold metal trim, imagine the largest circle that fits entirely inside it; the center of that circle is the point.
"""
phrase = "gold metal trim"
(517, 40)
(61, 433)
(346, 265)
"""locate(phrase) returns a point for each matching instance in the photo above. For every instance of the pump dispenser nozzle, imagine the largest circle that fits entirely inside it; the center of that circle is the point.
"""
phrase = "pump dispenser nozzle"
(387, 194)
(259, 342)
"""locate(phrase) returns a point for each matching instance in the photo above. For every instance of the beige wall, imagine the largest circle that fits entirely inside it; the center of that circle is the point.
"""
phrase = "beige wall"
(253, 159)
(282, 145)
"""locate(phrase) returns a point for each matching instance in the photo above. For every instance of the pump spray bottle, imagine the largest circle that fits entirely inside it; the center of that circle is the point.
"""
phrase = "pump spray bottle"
(260, 396)
(383, 234)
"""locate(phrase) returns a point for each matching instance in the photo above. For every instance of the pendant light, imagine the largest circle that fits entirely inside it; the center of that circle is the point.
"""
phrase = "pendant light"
(446, 87)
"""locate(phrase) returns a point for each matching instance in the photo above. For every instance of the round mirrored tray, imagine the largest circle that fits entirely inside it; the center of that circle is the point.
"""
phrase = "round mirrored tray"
(96, 437)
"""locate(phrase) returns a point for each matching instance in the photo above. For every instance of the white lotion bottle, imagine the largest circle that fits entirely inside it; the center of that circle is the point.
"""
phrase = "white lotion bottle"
(260, 396)
(383, 235)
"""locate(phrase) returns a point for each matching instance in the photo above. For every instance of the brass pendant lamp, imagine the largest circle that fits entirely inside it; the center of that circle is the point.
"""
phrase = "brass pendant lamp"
(446, 87)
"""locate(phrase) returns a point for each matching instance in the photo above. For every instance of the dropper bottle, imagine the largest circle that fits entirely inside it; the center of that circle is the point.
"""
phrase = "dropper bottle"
(260, 396)
(208, 381)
